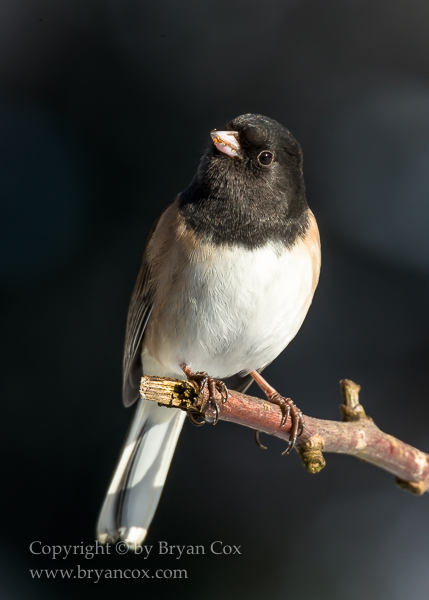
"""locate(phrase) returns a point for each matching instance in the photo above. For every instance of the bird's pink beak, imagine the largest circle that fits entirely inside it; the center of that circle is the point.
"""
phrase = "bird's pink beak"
(226, 142)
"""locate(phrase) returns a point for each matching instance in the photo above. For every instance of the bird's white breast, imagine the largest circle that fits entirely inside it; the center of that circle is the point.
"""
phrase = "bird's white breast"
(233, 309)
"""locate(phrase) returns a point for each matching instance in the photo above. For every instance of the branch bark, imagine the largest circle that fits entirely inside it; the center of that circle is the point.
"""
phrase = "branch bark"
(357, 435)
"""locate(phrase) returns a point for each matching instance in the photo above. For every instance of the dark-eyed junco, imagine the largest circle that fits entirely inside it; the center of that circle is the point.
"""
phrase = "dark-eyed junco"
(228, 275)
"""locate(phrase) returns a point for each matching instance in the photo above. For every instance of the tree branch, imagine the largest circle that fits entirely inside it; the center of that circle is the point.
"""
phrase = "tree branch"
(357, 435)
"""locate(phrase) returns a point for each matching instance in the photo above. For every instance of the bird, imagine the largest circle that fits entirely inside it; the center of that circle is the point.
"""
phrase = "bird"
(227, 277)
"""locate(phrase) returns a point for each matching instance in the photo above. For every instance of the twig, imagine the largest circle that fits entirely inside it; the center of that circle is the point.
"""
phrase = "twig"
(356, 435)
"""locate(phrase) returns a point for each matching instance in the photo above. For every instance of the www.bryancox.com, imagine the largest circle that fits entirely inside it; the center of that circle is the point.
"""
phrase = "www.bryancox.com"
(96, 574)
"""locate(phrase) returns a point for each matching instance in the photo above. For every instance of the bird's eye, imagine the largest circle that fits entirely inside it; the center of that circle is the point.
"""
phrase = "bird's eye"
(266, 158)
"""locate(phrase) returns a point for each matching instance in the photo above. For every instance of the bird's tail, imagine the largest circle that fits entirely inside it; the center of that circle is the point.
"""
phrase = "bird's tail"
(140, 475)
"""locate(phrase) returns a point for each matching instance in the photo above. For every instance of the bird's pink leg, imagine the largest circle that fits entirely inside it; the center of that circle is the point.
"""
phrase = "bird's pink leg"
(287, 407)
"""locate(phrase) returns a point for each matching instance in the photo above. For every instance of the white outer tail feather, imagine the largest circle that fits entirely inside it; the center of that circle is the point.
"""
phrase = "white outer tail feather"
(140, 475)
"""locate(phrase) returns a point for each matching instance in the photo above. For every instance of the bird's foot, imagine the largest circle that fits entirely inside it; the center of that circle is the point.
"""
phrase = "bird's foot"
(288, 409)
(214, 386)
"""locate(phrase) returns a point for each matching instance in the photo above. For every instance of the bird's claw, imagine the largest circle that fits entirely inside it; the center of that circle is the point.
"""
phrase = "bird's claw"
(214, 386)
(193, 420)
(288, 408)
(258, 441)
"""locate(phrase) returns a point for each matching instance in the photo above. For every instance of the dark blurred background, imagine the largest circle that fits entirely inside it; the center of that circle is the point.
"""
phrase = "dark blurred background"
(105, 109)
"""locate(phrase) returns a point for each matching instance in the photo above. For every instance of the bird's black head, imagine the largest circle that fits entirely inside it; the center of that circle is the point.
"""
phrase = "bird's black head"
(249, 188)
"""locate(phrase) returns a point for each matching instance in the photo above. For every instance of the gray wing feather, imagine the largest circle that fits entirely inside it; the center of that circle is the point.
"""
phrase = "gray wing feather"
(138, 316)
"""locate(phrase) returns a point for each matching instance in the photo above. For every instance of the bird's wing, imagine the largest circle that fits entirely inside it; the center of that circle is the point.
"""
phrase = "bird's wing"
(138, 316)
